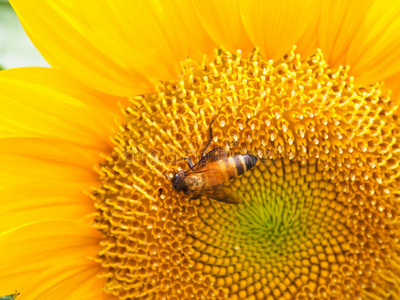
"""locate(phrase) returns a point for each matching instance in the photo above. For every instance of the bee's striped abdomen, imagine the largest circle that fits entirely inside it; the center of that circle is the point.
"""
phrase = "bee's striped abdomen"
(241, 164)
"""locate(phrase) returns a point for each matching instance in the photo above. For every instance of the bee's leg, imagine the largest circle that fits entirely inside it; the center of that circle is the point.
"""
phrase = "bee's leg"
(195, 197)
(210, 137)
(190, 162)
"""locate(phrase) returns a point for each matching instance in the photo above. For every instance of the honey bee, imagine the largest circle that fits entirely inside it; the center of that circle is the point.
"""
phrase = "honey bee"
(208, 176)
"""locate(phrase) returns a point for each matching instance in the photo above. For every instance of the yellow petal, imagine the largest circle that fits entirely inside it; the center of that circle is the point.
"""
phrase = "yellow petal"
(68, 280)
(118, 47)
(51, 132)
(18, 170)
(223, 23)
(374, 52)
(42, 178)
(50, 150)
(393, 83)
(307, 44)
(62, 35)
(338, 24)
(275, 26)
(31, 249)
(198, 40)
(40, 102)
(150, 37)
(30, 202)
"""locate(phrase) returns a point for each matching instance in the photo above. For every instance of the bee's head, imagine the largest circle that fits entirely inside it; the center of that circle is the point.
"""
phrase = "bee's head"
(178, 181)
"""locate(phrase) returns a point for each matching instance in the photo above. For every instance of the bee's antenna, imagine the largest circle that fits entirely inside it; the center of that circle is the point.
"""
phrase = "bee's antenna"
(169, 179)
(210, 137)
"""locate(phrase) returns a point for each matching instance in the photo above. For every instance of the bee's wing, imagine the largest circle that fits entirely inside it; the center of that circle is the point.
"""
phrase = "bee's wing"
(222, 194)
(212, 156)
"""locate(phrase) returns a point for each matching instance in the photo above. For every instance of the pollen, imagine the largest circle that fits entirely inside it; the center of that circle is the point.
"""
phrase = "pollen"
(319, 212)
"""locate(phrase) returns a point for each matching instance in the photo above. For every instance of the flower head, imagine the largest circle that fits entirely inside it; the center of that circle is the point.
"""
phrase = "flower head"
(318, 212)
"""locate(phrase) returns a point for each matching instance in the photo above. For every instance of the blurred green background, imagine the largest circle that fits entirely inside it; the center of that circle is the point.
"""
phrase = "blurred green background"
(11, 297)
(16, 50)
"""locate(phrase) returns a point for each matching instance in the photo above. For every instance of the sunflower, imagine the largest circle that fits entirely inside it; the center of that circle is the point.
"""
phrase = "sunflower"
(89, 147)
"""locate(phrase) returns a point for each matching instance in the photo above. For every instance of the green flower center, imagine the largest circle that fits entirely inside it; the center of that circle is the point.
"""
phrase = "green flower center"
(287, 234)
